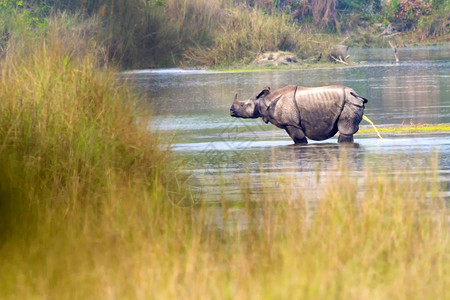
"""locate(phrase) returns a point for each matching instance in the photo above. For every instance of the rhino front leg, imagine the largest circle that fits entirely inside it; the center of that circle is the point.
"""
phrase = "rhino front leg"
(344, 138)
(348, 123)
(296, 134)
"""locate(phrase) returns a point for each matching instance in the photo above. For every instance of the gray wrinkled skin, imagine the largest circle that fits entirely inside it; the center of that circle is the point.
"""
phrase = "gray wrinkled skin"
(315, 113)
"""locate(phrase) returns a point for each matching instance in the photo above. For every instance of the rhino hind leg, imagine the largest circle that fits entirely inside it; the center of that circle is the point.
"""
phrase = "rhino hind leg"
(296, 134)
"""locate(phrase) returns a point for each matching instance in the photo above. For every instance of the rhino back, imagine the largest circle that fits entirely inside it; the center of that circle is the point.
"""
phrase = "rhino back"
(319, 110)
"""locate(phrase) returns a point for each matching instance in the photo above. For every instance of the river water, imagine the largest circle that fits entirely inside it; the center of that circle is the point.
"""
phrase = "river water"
(191, 109)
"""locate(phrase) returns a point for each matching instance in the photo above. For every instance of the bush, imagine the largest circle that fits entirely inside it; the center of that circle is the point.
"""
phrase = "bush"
(409, 12)
(434, 25)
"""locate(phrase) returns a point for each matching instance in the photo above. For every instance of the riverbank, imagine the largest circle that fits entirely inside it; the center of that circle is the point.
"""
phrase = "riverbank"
(218, 34)
(254, 68)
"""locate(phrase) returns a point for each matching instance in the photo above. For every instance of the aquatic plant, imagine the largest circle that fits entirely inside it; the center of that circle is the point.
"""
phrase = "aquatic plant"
(412, 128)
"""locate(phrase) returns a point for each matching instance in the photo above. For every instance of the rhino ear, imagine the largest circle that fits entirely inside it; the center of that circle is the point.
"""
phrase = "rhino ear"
(263, 93)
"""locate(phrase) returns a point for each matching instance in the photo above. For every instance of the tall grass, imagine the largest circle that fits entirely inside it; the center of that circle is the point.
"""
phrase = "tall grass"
(247, 32)
(219, 33)
(143, 34)
(388, 240)
(79, 171)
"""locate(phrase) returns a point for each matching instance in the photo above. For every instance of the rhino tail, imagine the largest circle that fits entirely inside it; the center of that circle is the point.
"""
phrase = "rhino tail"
(358, 96)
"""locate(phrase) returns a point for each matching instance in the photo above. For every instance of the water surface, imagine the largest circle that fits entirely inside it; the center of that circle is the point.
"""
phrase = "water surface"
(193, 108)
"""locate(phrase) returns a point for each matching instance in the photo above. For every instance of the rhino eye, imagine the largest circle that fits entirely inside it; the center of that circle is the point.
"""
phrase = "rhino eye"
(242, 104)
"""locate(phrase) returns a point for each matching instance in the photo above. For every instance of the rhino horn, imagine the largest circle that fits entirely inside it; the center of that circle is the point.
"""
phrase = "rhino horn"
(236, 98)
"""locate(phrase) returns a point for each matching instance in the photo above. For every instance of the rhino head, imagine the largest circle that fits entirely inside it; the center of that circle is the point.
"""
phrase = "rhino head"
(249, 108)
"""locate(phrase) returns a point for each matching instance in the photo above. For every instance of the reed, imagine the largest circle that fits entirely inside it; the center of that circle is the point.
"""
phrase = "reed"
(139, 34)
(377, 236)
(221, 33)
(78, 166)
(147, 34)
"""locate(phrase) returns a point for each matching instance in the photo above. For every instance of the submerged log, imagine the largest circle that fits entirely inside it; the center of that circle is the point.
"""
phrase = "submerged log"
(394, 49)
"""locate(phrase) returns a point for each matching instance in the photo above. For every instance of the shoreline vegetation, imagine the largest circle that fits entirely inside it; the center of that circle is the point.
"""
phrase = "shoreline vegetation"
(134, 34)
(92, 205)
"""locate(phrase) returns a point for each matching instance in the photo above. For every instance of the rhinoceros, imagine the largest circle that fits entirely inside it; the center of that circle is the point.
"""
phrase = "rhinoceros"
(317, 113)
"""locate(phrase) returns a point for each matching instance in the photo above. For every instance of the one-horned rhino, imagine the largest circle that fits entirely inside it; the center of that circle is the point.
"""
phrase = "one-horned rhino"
(317, 113)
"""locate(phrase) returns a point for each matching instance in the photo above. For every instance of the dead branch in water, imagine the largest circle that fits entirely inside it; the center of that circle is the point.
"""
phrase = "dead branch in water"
(339, 59)
(394, 49)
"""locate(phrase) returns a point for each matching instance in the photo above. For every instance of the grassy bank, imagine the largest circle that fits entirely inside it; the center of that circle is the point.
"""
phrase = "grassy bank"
(253, 68)
(219, 34)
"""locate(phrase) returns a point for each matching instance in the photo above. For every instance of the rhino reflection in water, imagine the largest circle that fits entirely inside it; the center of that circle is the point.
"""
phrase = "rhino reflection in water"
(315, 113)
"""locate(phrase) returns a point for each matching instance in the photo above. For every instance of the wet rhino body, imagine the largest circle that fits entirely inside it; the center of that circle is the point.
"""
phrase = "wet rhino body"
(315, 113)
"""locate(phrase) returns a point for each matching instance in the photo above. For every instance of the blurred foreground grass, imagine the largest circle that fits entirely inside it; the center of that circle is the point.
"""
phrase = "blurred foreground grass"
(87, 210)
